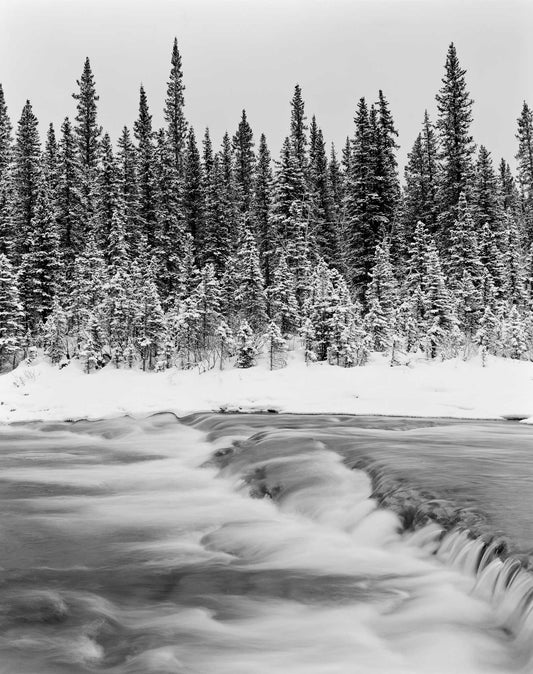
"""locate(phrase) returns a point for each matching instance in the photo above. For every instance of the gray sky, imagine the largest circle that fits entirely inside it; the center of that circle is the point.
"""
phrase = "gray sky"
(250, 53)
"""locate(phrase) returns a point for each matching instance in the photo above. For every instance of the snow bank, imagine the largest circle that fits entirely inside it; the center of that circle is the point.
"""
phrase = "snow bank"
(451, 389)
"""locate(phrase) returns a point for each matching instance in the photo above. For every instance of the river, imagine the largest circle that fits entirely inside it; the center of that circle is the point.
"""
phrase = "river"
(254, 544)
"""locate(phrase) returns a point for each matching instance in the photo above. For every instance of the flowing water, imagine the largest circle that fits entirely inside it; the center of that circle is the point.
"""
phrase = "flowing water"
(224, 544)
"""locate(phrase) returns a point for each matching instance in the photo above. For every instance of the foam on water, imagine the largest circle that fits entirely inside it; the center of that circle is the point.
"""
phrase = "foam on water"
(127, 549)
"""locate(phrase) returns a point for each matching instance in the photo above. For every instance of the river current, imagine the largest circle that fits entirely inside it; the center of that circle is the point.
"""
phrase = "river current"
(226, 544)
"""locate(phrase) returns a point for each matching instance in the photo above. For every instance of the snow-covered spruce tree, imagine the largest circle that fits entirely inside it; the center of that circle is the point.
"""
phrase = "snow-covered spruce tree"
(364, 223)
(387, 183)
(276, 346)
(6, 179)
(515, 335)
(281, 296)
(261, 211)
(87, 133)
(192, 201)
(221, 228)
(524, 158)
(26, 178)
(6, 139)
(11, 316)
(40, 272)
(129, 189)
(207, 300)
(487, 204)
(170, 238)
(250, 301)
(319, 309)
(440, 320)
(307, 334)
(462, 252)
(55, 334)
(322, 211)
(119, 309)
(225, 342)
(493, 260)
(87, 289)
(50, 161)
(487, 335)
(174, 105)
(421, 179)
(514, 259)
(69, 201)
(382, 299)
(246, 346)
(298, 136)
(108, 191)
(150, 322)
(243, 148)
(146, 179)
(510, 197)
(182, 326)
(456, 143)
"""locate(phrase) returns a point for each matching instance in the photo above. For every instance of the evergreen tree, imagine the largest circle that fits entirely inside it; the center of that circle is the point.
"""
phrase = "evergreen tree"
(27, 173)
(513, 262)
(86, 289)
(150, 332)
(87, 133)
(463, 251)
(69, 196)
(40, 269)
(456, 143)
(507, 188)
(515, 335)
(323, 221)
(193, 191)
(6, 140)
(440, 316)
(289, 183)
(129, 190)
(174, 104)
(171, 235)
(50, 161)
(262, 209)
(282, 303)
(6, 179)
(246, 348)
(108, 192)
(11, 315)
(524, 155)
(387, 183)
(55, 334)
(364, 224)
(146, 171)
(486, 197)
(382, 298)
(276, 346)
(207, 299)
(298, 133)
(421, 178)
(250, 300)
(243, 147)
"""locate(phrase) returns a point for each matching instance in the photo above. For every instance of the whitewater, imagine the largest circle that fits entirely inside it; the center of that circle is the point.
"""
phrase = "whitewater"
(229, 544)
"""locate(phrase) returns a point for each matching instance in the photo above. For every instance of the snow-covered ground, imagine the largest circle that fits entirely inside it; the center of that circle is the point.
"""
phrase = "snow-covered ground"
(451, 389)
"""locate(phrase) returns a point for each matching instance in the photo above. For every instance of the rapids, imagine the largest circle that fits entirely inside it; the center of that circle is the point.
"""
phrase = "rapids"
(226, 544)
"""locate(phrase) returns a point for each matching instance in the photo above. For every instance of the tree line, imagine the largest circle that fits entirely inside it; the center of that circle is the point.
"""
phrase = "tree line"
(161, 250)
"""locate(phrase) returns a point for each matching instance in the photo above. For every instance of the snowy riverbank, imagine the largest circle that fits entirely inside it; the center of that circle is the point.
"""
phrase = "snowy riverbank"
(450, 389)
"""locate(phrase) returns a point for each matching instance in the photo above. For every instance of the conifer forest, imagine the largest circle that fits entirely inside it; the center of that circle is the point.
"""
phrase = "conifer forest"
(169, 248)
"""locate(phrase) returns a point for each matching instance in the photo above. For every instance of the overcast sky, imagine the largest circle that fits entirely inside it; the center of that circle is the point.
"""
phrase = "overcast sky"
(250, 53)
